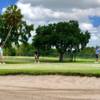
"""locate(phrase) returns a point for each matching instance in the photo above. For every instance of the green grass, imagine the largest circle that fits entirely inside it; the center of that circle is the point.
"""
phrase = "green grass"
(28, 60)
(26, 66)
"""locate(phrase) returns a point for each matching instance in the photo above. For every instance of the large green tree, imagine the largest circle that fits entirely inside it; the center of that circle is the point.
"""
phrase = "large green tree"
(65, 36)
(13, 30)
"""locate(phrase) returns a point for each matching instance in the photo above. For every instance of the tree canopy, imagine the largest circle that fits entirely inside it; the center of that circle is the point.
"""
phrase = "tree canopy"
(65, 36)
(12, 27)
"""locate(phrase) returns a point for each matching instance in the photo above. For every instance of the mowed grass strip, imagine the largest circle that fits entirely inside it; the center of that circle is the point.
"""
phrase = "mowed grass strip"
(80, 69)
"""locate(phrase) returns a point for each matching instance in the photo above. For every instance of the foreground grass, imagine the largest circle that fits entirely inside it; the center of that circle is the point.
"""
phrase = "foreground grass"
(79, 69)
(49, 66)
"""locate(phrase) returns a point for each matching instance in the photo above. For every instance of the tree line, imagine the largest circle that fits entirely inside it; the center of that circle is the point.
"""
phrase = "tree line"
(64, 37)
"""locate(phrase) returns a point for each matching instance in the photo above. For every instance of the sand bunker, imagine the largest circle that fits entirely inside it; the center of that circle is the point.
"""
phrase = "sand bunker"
(49, 88)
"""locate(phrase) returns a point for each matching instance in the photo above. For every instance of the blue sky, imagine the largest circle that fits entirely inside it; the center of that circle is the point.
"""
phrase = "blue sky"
(5, 3)
(95, 20)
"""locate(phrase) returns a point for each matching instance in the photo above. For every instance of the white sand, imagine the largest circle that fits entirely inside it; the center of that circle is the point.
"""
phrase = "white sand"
(49, 88)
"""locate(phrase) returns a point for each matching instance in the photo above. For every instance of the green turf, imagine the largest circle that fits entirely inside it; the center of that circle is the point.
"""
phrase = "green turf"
(26, 65)
(24, 60)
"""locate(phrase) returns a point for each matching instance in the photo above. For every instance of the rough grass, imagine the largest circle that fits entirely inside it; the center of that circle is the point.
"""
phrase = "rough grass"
(26, 65)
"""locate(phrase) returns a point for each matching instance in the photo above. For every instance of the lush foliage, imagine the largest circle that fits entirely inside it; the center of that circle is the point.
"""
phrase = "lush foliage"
(13, 30)
(88, 52)
(64, 36)
(21, 50)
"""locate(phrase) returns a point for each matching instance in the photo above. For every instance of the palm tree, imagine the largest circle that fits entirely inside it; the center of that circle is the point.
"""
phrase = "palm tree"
(12, 17)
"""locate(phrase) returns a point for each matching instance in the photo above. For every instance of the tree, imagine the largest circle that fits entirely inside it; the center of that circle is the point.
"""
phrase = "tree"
(40, 41)
(25, 50)
(13, 29)
(65, 36)
(88, 52)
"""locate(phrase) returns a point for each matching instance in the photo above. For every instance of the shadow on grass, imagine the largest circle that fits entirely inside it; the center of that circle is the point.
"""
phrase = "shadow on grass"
(5, 72)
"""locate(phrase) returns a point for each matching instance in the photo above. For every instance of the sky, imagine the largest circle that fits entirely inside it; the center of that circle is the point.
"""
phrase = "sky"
(5, 3)
(40, 12)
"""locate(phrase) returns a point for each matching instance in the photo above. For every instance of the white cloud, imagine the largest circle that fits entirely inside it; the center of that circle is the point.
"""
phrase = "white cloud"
(41, 12)
(86, 26)
(94, 41)
(3, 10)
(38, 13)
(63, 4)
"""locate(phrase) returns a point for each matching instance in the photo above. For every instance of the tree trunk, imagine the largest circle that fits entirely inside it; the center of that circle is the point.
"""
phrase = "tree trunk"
(8, 35)
(61, 57)
(74, 57)
(71, 57)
